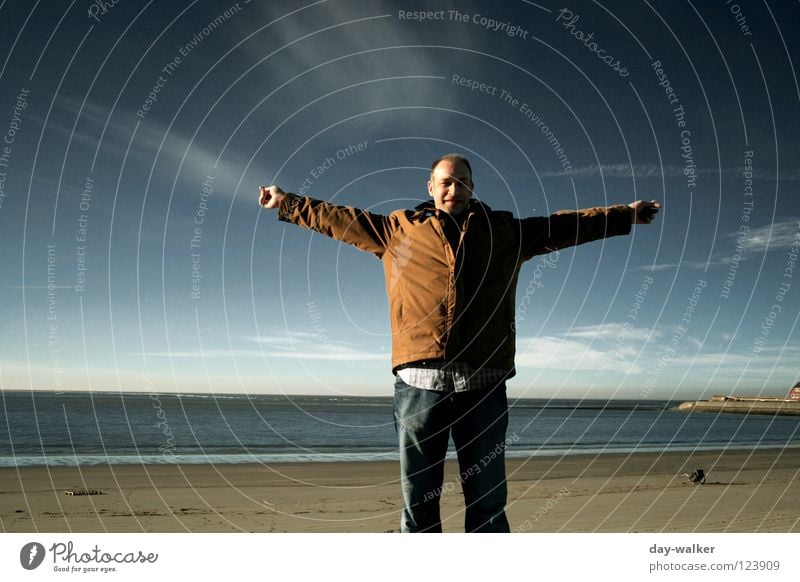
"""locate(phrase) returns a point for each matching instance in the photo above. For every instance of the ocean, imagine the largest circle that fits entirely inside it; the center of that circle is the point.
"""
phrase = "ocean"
(49, 428)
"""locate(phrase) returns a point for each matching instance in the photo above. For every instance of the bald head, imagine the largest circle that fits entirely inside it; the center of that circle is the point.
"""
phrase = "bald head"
(451, 184)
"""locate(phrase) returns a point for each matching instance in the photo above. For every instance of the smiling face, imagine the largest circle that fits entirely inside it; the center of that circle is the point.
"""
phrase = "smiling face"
(451, 186)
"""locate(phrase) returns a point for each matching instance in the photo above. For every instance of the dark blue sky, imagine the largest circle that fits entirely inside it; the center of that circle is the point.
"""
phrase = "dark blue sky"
(135, 256)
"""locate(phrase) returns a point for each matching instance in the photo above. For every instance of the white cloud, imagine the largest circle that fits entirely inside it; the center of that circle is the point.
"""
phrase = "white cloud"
(619, 171)
(342, 51)
(611, 331)
(335, 355)
(283, 339)
(695, 265)
(603, 353)
(195, 157)
(42, 287)
(563, 354)
(657, 171)
(296, 345)
(770, 237)
(776, 236)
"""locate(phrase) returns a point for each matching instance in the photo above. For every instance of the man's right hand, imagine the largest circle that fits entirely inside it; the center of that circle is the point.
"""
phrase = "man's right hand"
(270, 196)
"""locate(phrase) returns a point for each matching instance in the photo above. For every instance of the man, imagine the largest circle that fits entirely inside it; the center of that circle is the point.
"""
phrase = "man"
(451, 269)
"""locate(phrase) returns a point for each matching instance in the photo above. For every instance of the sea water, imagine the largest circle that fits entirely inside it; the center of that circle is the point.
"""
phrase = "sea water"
(49, 428)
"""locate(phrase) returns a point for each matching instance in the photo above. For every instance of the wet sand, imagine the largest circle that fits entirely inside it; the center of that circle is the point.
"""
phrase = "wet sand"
(746, 491)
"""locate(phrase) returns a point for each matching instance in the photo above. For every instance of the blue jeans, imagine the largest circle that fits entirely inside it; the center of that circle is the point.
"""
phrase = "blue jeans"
(477, 419)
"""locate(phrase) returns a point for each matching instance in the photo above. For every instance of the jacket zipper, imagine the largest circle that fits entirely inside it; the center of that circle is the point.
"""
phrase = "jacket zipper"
(452, 283)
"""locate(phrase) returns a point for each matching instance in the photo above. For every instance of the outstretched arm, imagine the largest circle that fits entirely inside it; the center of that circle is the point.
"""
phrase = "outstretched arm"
(364, 230)
(574, 227)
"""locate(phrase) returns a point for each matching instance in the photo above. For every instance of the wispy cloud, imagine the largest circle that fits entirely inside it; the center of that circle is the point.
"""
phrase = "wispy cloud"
(283, 339)
(772, 361)
(694, 265)
(294, 345)
(772, 237)
(196, 157)
(314, 346)
(621, 171)
(612, 350)
(611, 331)
(554, 353)
(333, 356)
(657, 171)
(42, 287)
(779, 236)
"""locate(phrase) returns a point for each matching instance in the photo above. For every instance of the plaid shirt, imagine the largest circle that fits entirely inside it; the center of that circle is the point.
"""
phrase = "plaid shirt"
(452, 376)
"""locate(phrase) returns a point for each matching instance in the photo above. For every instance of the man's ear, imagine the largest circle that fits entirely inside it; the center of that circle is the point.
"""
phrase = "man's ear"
(430, 187)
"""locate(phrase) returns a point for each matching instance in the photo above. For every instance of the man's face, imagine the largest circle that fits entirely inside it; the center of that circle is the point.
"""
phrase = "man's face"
(451, 186)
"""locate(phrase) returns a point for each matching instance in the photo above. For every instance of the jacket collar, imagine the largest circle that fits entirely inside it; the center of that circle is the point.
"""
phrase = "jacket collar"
(429, 208)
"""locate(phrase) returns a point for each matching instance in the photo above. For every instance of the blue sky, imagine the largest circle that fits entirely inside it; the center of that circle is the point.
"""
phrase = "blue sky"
(135, 256)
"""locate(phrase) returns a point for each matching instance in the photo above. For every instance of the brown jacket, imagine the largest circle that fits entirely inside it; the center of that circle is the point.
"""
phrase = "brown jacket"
(446, 305)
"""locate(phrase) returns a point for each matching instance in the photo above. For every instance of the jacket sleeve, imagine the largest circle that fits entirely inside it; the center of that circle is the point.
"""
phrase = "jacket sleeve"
(366, 231)
(568, 228)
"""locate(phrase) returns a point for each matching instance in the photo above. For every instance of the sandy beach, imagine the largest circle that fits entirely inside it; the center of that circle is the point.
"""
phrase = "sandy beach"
(746, 491)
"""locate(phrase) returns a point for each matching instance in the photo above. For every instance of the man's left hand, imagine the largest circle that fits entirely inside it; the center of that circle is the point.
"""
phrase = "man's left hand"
(644, 211)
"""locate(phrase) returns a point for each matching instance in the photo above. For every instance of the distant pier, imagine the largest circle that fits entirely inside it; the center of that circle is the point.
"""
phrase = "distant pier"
(743, 405)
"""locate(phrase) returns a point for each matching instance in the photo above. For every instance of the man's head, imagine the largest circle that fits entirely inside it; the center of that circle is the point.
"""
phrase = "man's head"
(451, 183)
